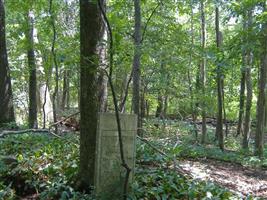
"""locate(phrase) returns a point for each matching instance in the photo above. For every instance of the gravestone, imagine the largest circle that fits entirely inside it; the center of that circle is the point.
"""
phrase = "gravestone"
(110, 175)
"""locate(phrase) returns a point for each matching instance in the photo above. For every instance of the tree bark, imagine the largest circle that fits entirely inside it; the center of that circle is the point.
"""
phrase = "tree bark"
(65, 92)
(192, 98)
(224, 111)
(219, 126)
(160, 105)
(261, 103)
(33, 123)
(249, 60)
(242, 96)
(6, 101)
(125, 91)
(103, 79)
(90, 31)
(136, 61)
(203, 72)
(103, 92)
(55, 99)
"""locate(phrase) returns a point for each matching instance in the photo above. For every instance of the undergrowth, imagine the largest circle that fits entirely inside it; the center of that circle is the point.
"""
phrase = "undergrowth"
(179, 139)
(46, 167)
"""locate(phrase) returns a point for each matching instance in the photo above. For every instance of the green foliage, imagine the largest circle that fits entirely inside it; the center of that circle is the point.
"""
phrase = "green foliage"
(167, 184)
(6, 192)
(45, 164)
(10, 125)
(155, 180)
(49, 165)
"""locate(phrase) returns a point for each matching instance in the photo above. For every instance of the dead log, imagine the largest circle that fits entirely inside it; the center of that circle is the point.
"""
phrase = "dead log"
(11, 132)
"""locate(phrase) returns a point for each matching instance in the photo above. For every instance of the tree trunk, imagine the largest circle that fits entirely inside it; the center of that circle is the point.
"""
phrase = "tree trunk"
(165, 105)
(203, 72)
(242, 96)
(65, 92)
(192, 99)
(143, 103)
(224, 111)
(160, 105)
(103, 92)
(219, 126)
(47, 107)
(103, 79)
(125, 91)
(136, 61)
(90, 33)
(33, 123)
(55, 99)
(249, 60)
(261, 103)
(6, 101)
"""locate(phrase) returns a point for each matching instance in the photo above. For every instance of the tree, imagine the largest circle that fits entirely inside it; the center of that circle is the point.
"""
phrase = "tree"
(219, 125)
(261, 103)
(136, 60)
(55, 99)
(90, 31)
(248, 61)
(66, 90)
(102, 78)
(6, 100)
(33, 123)
(203, 70)
(242, 94)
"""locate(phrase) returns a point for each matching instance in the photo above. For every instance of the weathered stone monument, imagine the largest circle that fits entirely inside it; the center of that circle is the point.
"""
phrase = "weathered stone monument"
(110, 175)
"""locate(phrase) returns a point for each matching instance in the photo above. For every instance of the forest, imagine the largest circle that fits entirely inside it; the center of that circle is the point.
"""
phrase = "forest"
(133, 99)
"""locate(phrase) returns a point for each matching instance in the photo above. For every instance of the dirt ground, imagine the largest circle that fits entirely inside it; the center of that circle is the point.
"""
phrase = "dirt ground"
(237, 178)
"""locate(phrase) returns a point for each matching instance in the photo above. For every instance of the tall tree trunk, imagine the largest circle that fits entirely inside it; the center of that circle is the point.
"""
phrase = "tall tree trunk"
(192, 99)
(6, 102)
(249, 60)
(124, 92)
(90, 33)
(219, 126)
(203, 72)
(224, 110)
(103, 79)
(165, 105)
(55, 99)
(160, 106)
(103, 92)
(33, 123)
(147, 108)
(143, 104)
(136, 61)
(66, 87)
(68, 96)
(45, 97)
(242, 96)
(242, 83)
(261, 103)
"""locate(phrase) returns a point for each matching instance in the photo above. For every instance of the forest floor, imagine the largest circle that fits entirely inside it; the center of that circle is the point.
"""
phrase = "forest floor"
(40, 172)
(237, 178)
(234, 169)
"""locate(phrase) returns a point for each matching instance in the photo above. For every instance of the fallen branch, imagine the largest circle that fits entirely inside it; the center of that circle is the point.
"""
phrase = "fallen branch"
(58, 122)
(10, 132)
